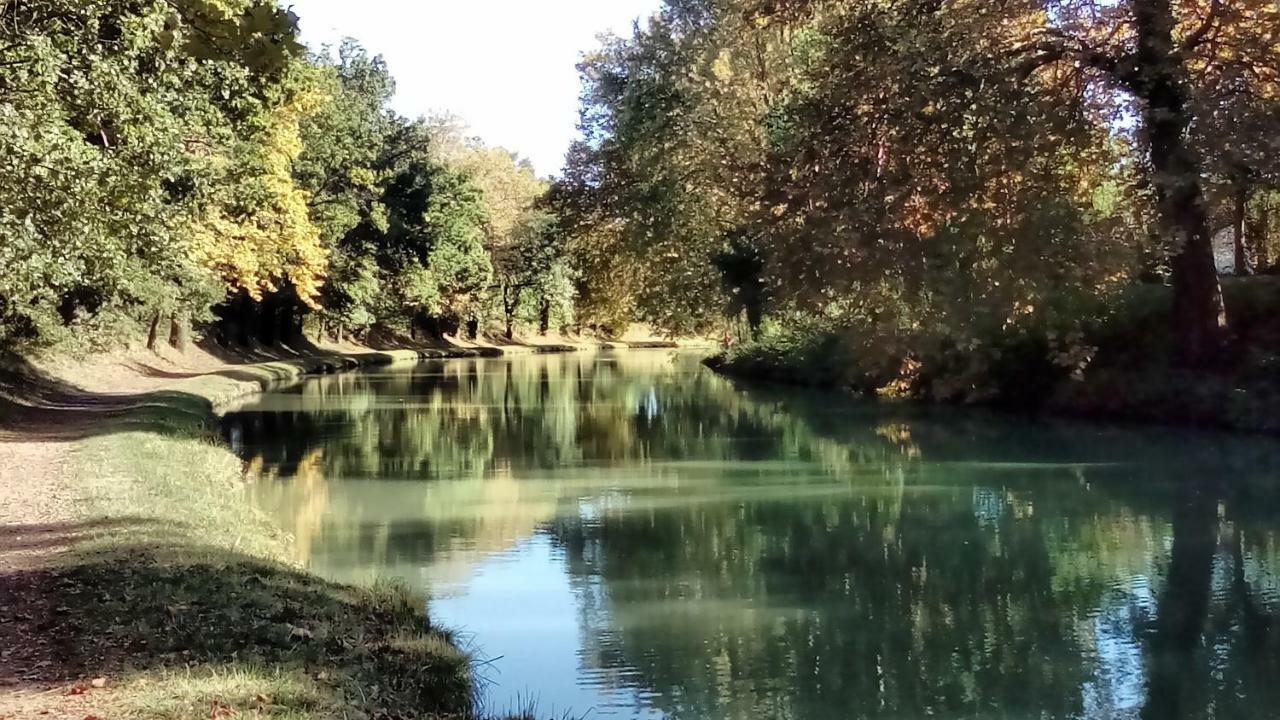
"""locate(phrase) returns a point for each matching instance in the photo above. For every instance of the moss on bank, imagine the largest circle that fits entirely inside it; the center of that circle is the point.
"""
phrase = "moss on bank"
(177, 589)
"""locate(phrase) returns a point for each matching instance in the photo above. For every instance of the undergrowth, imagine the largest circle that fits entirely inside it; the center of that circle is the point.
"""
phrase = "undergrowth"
(1120, 365)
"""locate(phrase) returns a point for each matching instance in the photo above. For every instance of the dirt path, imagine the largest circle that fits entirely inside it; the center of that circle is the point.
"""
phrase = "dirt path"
(33, 498)
(41, 518)
(38, 524)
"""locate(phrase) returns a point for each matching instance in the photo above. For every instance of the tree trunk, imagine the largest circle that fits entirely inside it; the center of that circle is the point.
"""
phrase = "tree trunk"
(1265, 233)
(509, 300)
(249, 314)
(1199, 314)
(1237, 226)
(755, 316)
(544, 318)
(1256, 240)
(289, 329)
(473, 329)
(179, 332)
(275, 327)
(153, 335)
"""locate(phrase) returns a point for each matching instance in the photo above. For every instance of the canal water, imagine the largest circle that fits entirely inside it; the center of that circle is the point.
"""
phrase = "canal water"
(630, 535)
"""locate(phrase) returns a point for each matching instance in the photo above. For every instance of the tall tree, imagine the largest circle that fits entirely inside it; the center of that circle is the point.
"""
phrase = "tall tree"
(1143, 47)
(350, 150)
(126, 123)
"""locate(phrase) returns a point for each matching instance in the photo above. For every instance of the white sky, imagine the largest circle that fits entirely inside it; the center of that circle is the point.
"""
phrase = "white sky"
(506, 67)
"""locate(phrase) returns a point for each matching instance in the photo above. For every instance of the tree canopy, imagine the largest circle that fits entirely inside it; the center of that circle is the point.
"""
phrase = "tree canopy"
(938, 186)
(172, 156)
(934, 179)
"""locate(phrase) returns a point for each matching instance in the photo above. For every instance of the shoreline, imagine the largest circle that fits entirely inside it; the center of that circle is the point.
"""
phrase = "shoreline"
(240, 381)
(1195, 402)
(127, 494)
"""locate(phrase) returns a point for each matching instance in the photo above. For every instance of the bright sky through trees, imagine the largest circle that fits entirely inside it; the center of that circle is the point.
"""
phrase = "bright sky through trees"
(507, 67)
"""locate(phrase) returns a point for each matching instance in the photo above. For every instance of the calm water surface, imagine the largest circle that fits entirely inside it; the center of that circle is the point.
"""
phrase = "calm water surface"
(629, 535)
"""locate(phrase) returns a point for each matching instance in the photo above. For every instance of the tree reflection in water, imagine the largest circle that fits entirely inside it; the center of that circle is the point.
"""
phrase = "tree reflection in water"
(747, 552)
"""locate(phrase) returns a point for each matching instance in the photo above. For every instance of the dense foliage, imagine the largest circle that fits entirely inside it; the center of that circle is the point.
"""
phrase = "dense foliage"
(928, 190)
(168, 157)
(939, 194)
(145, 160)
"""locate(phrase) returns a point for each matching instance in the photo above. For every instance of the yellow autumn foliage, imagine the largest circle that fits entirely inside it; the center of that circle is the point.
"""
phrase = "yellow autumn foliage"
(276, 240)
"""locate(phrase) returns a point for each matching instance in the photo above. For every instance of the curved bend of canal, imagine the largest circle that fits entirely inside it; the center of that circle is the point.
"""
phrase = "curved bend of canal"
(629, 535)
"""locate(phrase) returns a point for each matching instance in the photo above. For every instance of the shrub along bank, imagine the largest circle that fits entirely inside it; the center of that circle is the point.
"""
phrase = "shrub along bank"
(1119, 367)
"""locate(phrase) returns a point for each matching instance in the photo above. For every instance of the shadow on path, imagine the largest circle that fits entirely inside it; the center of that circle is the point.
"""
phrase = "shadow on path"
(152, 610)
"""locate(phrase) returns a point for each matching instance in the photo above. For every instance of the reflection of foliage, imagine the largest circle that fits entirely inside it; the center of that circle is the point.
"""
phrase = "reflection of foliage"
(751, 553)
(913, 609)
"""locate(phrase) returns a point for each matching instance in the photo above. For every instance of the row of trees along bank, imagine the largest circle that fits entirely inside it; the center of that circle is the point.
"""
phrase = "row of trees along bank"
(941, 188)
(935, 183)
(166, 162)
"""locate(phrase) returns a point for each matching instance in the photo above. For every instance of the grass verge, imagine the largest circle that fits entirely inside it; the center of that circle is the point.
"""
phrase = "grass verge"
(176, 600)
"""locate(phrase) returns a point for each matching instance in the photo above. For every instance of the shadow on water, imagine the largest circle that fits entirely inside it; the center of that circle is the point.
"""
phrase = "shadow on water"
(735, 551)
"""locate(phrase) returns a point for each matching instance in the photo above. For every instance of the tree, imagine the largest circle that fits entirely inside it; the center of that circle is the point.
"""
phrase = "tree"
(350, 150)
(510, 190)
(1235, 103)
(924, 175)
(406, 208)
(883, 166)
(259, 234)
(432, 252)
(672, 160)
(542, 285)
(124, 121)
(1143, 48)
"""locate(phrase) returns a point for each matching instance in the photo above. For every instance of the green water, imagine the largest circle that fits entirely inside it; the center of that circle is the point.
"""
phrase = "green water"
(630, 535)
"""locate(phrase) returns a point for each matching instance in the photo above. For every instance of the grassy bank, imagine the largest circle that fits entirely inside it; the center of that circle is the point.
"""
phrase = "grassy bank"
(174, 597)
(1129, 374)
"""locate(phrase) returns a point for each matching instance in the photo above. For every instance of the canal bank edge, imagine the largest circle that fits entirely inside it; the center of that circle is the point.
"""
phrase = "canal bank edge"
(222, 388)
(225, 387)
(165, 593)
(1169, 397)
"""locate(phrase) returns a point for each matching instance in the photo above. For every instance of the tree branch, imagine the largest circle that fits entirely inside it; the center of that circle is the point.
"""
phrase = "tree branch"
(1197, 36)
(1063, 47)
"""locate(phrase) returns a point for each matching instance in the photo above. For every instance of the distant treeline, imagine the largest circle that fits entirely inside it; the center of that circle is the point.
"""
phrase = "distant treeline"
(929, 184)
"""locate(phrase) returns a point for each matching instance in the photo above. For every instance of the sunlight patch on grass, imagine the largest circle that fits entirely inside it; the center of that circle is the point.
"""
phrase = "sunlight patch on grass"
(229, 691)
(185, 488)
